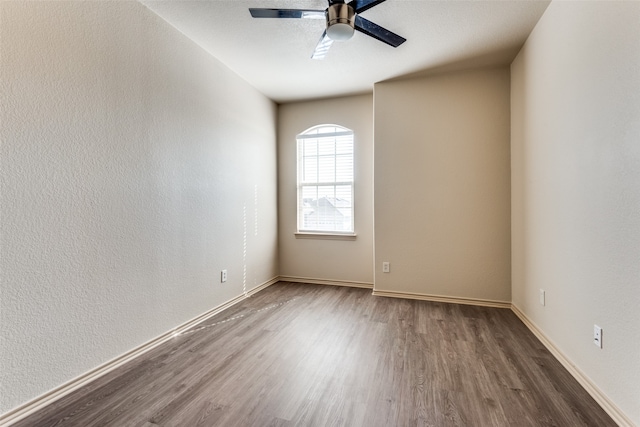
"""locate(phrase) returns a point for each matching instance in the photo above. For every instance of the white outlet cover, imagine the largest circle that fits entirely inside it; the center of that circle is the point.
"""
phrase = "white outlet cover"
(597, 336)
(542, 297)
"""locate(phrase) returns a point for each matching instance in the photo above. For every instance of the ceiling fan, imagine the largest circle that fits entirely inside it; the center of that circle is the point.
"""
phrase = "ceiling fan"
(342, 20)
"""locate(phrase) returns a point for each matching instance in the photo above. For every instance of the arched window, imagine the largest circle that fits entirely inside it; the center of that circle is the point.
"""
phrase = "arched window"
(325, 180)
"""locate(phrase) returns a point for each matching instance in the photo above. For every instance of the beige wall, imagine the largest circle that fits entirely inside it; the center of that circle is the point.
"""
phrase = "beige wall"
(442, 185)
(329, 260)
(576, 188)
(134, 167)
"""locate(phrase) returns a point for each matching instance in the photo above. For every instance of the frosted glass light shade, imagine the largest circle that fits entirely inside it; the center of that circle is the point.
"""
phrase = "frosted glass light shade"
(340, 32)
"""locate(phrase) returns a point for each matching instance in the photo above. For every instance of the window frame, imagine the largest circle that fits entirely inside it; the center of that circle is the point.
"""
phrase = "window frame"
(300, 183)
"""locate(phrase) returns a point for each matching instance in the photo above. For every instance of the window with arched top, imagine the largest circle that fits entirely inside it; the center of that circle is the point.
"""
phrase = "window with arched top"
(325, 180)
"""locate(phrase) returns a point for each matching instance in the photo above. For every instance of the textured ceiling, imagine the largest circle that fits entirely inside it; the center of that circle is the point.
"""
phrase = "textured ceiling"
(274, 55)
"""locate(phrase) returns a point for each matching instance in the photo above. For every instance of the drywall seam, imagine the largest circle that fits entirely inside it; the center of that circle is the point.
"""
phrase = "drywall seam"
(598, 395)
(59, 392)
(442, 298)
(314, 281)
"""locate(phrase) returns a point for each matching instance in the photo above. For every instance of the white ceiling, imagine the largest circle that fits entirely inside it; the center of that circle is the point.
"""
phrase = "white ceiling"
(274, 55)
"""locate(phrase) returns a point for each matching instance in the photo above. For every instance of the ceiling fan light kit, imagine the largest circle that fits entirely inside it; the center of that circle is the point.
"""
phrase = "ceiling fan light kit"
(342, 20)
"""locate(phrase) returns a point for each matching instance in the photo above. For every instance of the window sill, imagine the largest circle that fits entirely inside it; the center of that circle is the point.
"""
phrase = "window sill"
(326, 236)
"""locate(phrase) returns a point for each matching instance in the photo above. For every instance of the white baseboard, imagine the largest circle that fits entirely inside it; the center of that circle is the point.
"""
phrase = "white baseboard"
(314, 281)
(50, 397)
(597, 394)
(441, 298)
(255, 290)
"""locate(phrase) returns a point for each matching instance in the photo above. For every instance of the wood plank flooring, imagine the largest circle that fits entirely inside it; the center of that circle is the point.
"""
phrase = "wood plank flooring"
(313, 355)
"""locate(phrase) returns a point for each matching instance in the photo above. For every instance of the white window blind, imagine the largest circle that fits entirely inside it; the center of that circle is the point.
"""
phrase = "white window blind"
(325, 180)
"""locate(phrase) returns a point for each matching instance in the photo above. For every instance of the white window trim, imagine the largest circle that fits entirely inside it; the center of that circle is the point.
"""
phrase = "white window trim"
(324, 135)
(334, 235)
(317, 234)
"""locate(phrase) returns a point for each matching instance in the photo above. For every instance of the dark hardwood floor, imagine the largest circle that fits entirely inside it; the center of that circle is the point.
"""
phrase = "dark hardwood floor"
(313, 355)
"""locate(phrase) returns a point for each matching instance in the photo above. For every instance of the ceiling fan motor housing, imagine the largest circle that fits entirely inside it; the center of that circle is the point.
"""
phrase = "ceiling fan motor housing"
(340, 22)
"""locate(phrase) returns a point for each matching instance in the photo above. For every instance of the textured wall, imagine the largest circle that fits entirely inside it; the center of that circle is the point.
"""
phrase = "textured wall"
(327, 259)
(442, 185)
(134, 168)
(576, 188)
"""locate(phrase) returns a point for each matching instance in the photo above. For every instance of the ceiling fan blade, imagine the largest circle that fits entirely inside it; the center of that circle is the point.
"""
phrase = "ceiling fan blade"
(322, 47)
(287, 13)
(377, 32)
(361, 5)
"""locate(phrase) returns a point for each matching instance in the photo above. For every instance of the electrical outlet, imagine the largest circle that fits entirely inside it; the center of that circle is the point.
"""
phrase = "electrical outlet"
(223, 276)
(385, 267)
(542, 301)
(597, 336)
